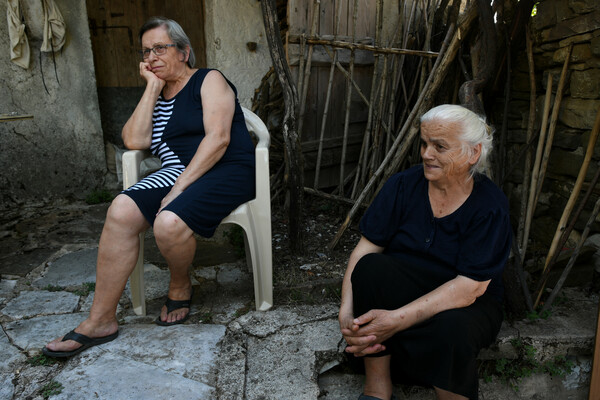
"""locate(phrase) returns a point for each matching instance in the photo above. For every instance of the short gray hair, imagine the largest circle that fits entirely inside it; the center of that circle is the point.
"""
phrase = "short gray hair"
(475, 131)
(175, 32)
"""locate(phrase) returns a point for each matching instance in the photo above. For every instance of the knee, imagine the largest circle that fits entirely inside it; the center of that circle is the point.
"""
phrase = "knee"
(169, 228)
(366, 268)
(124, 211)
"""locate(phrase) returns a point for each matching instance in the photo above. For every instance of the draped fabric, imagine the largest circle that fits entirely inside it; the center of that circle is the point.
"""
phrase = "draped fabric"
(19, 45)
(54, 27)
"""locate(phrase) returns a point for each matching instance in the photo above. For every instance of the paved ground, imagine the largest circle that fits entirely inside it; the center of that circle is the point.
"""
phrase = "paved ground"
(226, 350)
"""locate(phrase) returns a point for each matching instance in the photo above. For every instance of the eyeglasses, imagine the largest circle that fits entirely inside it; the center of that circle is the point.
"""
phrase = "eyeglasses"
(159, 50)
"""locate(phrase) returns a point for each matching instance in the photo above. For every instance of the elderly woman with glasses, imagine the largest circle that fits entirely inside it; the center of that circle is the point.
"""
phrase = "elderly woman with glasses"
(192, 120)
(422, 293)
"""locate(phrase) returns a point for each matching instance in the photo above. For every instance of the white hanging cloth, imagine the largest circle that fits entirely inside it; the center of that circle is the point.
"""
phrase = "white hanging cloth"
(19, 45)
(54, 27)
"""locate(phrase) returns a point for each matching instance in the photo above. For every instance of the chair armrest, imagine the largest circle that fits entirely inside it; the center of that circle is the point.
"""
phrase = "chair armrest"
(132, 159)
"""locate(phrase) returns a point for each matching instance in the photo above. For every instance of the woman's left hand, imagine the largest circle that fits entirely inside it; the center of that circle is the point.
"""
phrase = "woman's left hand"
(378, 324)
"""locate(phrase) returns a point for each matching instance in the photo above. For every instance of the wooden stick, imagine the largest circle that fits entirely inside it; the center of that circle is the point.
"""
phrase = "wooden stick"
(573, 198)
(595, 380)
(327, 99)
(328, 196)
(452, 47)
(536, 168)
(553, 121)
(316, 40)
(348, 101)
(565, 235)
(307, 68)
(530, 123)
(369, 126)
(574, 256)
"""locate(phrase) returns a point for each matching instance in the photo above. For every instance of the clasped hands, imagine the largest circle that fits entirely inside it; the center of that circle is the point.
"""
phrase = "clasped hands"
(366, 333)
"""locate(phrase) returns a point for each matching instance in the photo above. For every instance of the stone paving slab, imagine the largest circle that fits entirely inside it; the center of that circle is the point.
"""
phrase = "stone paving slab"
(113, 376)
(41, 302)
(72, 269)
(10, 354)
(30, 335)
(187, 350)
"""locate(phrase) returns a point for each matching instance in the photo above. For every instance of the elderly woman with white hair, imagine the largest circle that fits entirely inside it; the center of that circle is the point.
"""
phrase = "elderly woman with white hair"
(422, 293)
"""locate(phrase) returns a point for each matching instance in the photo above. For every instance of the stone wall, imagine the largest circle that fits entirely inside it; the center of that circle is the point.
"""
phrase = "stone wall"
(232, 50)
(557, 24)
(59, 153)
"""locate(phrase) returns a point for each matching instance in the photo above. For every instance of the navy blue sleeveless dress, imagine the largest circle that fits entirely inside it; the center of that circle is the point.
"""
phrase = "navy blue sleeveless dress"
(177, 130)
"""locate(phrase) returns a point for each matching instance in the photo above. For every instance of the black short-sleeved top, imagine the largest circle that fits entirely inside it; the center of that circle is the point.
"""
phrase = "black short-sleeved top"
(473, 241)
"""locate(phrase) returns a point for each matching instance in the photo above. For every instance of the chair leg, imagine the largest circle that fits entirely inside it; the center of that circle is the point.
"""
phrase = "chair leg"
(136, 282)
(262, 265)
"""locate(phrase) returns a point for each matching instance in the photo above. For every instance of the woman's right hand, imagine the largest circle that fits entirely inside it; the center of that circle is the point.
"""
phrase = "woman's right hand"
(149, 76)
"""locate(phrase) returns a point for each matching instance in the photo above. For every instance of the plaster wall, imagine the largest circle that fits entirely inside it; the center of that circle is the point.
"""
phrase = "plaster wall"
(60, 152)
(228, 29)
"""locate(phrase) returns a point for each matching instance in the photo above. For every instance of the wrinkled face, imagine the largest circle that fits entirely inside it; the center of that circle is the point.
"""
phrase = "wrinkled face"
(441, 151)
(166, 65)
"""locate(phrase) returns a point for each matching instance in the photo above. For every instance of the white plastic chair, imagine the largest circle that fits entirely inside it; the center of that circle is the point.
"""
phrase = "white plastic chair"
(254, 217)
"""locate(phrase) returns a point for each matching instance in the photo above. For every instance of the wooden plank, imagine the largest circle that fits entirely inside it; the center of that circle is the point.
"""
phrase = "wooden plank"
(298, 16)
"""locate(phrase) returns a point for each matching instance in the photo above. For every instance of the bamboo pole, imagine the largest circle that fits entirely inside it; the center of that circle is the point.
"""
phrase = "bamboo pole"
(530, 123)
(327, 98)
(307, 68)
(573, 198)
(348, 100)
(573, 257)
(553, 121)
(316, 40)
(452, 47)
(369, 126)
(536, 168)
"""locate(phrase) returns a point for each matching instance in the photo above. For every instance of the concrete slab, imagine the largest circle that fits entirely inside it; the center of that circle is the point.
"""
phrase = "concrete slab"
(10, 355)
(72, 269)
(22, 263)
(41, 302)
(7, 389)
(186, 350)
(284, 350)
(115, 376)
(30, 335)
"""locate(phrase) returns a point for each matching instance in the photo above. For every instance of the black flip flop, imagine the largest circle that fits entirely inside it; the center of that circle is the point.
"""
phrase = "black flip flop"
(86, 343)
(173, 305)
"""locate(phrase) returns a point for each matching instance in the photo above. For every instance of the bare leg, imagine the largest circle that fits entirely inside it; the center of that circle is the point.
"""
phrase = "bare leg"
(117, 256)
(446, 395)
(177, 244)
(378, 382)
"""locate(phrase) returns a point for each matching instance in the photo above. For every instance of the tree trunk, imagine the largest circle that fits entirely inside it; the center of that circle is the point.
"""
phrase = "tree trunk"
(293, 154)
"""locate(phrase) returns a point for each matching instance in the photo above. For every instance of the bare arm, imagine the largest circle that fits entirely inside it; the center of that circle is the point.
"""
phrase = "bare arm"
(218, 107)
(137, 131)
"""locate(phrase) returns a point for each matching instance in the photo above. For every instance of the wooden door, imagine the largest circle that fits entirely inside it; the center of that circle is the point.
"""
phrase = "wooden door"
(114, 27)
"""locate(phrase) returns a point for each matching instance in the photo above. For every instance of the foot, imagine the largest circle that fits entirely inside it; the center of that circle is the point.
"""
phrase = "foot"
(87, 328)
(177, 315)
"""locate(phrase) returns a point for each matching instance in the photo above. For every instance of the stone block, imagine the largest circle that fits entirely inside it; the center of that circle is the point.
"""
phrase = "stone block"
(583, 6)
(72, 269)
(593, 62)
(595, 46)
(565, 163)
(578, 113)
(580, 53)
(32, 303)
(585, 84)
(572, 26)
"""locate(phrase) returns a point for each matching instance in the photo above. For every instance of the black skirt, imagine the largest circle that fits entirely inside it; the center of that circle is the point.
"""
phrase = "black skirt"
(441, 351)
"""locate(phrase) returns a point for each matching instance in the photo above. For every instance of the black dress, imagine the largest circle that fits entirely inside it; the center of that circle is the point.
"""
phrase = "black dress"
(421, 253)
(177, 130)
